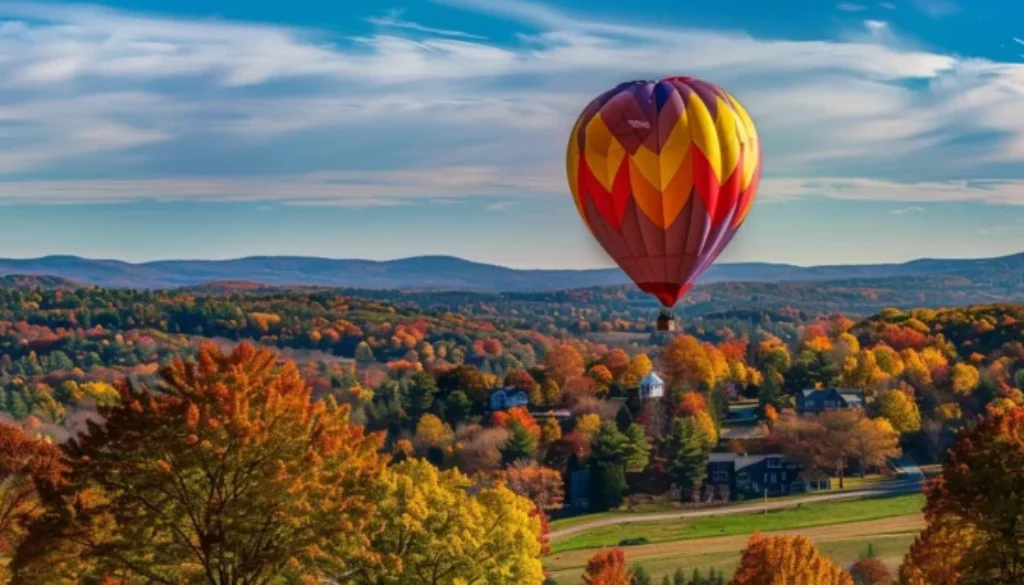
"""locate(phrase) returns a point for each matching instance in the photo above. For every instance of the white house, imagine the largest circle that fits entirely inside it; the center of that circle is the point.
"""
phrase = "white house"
(652, 386)
(506, 398)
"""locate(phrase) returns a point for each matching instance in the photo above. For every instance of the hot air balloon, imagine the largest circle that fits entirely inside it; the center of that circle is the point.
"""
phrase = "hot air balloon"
(663, 174)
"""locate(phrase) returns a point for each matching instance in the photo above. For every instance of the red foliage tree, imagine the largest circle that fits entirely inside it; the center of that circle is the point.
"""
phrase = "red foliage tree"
(607, 567)
(870, 571)
(974, 508)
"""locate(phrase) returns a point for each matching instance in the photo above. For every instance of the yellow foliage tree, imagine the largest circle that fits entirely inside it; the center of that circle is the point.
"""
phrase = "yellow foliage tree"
(550, 431)
(965, 378)
(901, 411)
(639, 367)
(888, 359)
(687, 365)
(432, 524)
(431, 431)
(706, 429)
(949, 411)
(915, 369)
(588, 425)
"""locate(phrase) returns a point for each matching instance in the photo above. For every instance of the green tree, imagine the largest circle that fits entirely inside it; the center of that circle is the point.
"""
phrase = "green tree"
(457, 407)
(607, 467)
(689, 456)
(520, 446)
(641, 576)
(419, 395)
(679, 577)
(638, 449)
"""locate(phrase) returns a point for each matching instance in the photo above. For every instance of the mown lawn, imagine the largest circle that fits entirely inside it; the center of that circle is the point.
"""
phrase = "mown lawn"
(891, 538)
(816, 514)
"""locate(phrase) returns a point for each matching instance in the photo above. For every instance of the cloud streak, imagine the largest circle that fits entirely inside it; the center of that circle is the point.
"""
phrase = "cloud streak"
(166, 108)
(393, 20)
(911, 209)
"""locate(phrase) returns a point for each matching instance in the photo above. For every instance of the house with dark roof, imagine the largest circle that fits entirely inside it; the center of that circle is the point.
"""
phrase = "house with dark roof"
(816, 400)
(506, 398)
(751, 475)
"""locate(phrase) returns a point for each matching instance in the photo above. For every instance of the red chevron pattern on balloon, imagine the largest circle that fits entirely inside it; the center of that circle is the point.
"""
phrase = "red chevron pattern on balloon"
(664, 173)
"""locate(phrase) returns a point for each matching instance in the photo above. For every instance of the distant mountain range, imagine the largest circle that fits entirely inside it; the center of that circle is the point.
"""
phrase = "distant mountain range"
(445, 273)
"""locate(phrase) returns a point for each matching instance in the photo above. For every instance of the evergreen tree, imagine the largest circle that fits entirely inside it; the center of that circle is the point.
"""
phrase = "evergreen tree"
(679, 577)
(520, 445)
(457, 407)
(624, 418)
(666, 581)
(638, 450)
(769, 394)
(718, 405)
(689, 456)
(18, 408)
(419, 395)
(607, 467)
(870, 553)
(641, 576)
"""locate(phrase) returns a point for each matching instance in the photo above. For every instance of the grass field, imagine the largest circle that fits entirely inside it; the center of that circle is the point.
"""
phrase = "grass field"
(807, 515)
(891, 538)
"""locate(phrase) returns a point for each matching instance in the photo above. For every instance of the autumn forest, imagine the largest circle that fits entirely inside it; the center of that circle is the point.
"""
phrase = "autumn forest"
(228, 434)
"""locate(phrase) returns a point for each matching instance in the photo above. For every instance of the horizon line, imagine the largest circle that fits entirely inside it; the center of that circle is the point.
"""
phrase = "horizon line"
(466, 260)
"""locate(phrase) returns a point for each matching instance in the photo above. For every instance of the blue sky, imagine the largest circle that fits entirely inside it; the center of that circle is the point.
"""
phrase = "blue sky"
(148, 129)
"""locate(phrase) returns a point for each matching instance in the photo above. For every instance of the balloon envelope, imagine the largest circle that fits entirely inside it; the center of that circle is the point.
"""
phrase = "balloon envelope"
(664, 173)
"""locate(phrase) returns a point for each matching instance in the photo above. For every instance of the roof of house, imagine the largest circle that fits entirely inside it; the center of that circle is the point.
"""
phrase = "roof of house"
(850, 394)
(509, 391)
(652, 378)
(741, 461)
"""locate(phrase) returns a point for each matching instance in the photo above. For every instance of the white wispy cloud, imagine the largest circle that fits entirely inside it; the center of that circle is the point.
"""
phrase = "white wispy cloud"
(499, 206)
(911, 209)
(1018, 40)
(393, 19)
(851, 7)
(180, 109)
(993, 191)
(937, 8)
(355, 188)
(887, 5)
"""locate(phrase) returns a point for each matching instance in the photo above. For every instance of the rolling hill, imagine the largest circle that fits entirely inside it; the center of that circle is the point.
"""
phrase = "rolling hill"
(434, 273)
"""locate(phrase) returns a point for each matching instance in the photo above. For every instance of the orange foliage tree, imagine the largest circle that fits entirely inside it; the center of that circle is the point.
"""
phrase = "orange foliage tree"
(691, 404)
(784, 560)
(230, 474)
(564, 362)
(27, 465)
(607, 567)
(516, 414)
(974, 508)
(542, 485)
(617, 361)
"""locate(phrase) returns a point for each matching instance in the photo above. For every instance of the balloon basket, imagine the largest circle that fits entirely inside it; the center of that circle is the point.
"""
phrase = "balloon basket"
(666, 320)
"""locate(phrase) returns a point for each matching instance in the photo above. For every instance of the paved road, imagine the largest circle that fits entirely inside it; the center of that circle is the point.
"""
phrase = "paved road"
(908, 481)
